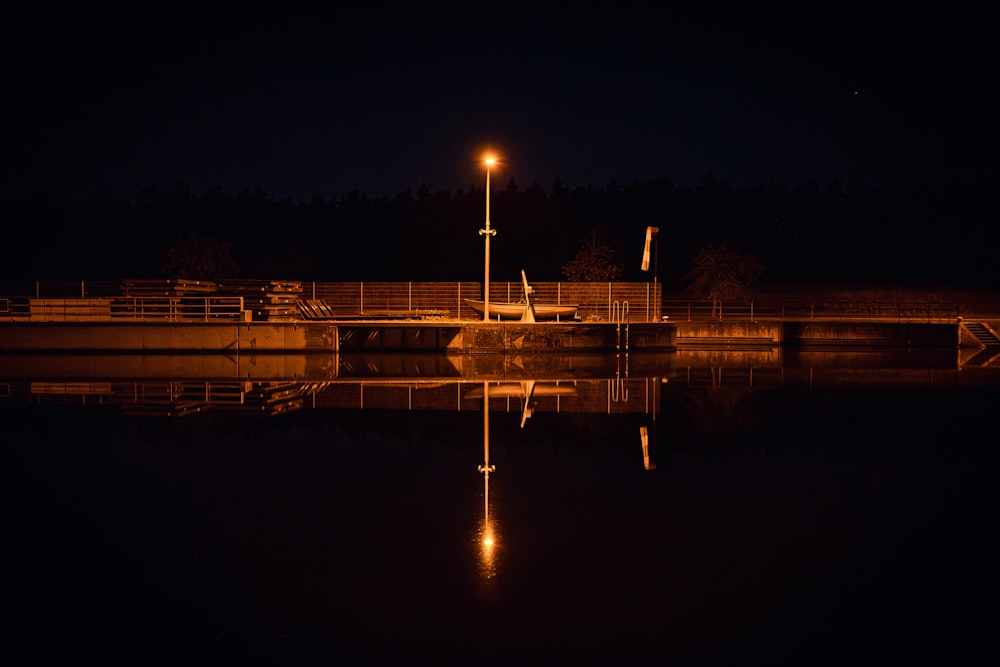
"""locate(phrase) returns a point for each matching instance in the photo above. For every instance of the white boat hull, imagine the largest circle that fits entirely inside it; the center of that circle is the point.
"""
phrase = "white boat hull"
(515, 311)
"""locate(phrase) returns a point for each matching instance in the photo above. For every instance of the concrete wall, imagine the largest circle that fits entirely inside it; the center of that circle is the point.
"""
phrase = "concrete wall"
(870, 333)
(512, 337)
(816, 332)
(561, 337)
(722, 332)
(169, 337)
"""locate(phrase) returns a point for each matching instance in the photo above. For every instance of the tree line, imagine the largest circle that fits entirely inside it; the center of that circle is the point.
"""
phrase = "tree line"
(843, 232)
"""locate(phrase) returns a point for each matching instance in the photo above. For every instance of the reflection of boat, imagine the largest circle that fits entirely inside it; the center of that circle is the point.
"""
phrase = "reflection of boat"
(520, 389)
(515, 311)
(527, 390)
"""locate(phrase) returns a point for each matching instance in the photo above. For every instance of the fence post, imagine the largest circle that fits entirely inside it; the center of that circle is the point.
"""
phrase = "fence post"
(361, 298)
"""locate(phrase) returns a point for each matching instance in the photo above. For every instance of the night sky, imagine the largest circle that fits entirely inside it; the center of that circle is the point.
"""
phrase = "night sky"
(384, 99)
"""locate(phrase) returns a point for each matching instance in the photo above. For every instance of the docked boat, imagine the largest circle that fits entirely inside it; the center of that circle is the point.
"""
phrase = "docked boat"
(527, 310)
(515, 311)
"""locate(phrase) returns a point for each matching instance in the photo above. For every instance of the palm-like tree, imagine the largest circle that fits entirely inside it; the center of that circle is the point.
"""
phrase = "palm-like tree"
(593, 263)
(200, 258)
(722, 273)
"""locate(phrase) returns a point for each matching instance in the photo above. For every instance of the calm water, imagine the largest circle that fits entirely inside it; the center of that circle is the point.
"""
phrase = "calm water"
(802, 516)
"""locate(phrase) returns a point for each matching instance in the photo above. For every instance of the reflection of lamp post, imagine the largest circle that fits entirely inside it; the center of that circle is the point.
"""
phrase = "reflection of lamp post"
(486, 233)
(650, 233)
(489, 539)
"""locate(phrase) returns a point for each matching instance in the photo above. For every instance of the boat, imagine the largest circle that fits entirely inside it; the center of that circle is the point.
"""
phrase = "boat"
(515, 311)
(525, 311)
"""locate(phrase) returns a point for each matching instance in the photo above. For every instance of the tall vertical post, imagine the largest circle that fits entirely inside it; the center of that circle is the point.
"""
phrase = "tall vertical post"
(651, 234)
(487, 233)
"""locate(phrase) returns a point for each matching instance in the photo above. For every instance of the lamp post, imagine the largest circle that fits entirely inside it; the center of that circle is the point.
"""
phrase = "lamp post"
(486, 233)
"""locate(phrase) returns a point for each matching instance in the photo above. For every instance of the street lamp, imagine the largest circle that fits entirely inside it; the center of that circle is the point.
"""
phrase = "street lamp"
(486, 233)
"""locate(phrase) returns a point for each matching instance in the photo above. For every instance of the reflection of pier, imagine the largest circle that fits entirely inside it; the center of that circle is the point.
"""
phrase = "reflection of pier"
(601, 383)
(171, 398)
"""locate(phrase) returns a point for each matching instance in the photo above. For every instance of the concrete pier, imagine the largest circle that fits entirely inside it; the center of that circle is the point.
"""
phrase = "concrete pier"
(455, 336)
(149, 337)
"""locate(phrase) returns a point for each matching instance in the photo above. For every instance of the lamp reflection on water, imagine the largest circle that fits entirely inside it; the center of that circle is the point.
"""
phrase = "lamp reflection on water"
(487, 534)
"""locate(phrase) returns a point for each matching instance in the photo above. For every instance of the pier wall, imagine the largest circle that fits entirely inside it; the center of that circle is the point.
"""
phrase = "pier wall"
(169, 337)
(464, 337)
(517, 337)
(851, 333)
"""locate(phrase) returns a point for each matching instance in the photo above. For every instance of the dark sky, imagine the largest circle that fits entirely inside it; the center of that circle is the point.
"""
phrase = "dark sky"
(382, 99)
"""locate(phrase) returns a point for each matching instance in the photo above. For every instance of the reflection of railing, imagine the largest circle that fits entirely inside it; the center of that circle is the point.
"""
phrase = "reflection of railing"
(181, 397)
(169, 397)
(618, 390)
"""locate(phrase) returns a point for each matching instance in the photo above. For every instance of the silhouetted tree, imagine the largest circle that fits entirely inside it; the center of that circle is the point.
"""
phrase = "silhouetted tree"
(197, 257)
(593, 263)
(892, 233)
(722, 273)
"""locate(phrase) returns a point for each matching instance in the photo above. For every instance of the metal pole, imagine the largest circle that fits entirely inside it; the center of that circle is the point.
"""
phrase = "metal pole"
(656, 257)
(487, 233)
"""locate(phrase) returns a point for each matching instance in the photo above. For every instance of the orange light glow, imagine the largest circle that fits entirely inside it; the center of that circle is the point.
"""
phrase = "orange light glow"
(488, 534)
(487, 553)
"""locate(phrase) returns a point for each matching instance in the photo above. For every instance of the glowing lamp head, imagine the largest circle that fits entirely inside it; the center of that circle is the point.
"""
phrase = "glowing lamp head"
(489, 160)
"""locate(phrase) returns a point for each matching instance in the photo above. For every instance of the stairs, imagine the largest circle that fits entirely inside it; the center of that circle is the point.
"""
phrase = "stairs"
(982, 333)
(989, 341)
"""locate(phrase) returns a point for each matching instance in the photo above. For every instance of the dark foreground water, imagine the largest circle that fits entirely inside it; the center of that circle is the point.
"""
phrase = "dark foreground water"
(834, 524)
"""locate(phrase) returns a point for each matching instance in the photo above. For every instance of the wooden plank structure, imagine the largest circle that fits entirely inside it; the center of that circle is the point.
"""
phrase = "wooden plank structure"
(316, 309)
(267, 300)
(167, 287)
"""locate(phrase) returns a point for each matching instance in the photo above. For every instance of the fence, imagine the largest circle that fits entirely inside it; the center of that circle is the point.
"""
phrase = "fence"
(122, 309)
(605, 301)
(680, 311)
(594, 301)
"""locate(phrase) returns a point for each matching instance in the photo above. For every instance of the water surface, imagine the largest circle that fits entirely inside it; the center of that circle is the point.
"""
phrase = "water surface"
(800, 515)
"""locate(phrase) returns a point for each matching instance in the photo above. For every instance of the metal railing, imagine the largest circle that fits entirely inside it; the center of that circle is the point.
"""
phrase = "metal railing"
(595, 301)
(178, 309)
(119, 309)
(677, 310)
